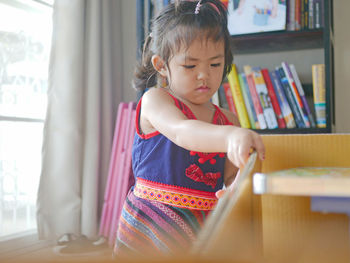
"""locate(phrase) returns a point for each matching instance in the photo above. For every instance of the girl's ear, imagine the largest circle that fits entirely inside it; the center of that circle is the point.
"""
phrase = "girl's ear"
(159, 65)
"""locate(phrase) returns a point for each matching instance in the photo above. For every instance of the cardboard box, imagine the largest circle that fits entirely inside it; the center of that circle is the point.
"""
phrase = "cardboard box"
(276, 228)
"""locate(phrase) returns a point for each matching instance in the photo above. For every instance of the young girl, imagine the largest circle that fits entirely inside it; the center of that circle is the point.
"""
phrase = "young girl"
(185, 147)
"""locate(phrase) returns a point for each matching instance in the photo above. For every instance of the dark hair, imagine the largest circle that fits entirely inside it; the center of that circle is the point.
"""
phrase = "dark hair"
(177, 26)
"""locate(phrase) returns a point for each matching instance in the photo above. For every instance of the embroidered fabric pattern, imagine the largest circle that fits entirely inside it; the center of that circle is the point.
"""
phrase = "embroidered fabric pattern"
(175, 197)
(196, 174)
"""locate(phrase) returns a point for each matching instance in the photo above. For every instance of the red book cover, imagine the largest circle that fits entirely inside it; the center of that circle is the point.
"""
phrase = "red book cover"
(274, 101)
(229, 97)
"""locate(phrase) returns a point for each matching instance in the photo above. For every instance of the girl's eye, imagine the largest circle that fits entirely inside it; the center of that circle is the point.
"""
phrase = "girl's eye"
(216, 65)
(188, 66)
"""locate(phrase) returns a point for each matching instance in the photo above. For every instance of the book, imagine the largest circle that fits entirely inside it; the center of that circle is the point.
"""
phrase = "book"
(311, 14)
(255, 97)
(306, 14)
(217, 218)
(274, 101)
(296, 94)
(282, 100)
(229, 98)
(291, 15)
(302, 15)
(318, 13)
(289, 95)
(298, 14)
(302, 95)
(242, 114)
(319, 89)
(248, 101)
(264, 97)
(304, 181)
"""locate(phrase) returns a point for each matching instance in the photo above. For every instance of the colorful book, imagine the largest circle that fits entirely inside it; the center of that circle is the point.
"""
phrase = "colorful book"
(264, 97)
(291, 15)
(311, 14)
(306, 14)
(302, 14)
(248, 101)
(304, 181)
(319, 89)
(302, 95)
(274, 101)
(298, 14)
(296, 94)
(255, 97)
(242, 114)
(229, 98)
(289, 95)
(282, 100)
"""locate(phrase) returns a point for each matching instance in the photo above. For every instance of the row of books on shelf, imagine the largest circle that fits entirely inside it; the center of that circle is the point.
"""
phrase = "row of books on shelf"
(305, 14)
(263, 99)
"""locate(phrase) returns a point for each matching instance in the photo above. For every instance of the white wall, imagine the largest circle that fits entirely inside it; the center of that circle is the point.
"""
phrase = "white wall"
(129, 47)
(342, 65)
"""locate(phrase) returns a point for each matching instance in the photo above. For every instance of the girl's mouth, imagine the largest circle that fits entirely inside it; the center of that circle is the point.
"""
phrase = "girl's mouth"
(203, 89)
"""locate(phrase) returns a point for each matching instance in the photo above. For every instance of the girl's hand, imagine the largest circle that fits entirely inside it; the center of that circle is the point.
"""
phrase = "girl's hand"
(240, 144)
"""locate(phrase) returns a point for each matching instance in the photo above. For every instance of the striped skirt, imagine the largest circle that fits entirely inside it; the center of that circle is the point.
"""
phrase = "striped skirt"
(149, 226)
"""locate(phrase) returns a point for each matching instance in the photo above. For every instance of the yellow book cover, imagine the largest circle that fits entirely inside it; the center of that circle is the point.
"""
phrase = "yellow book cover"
(319, 89)
(238, 98)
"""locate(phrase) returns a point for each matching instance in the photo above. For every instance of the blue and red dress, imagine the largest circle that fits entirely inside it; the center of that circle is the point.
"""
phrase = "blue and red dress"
(174, 190)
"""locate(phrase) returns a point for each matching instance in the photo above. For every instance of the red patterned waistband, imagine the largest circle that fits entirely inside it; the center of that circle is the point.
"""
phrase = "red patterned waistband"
(174, 195)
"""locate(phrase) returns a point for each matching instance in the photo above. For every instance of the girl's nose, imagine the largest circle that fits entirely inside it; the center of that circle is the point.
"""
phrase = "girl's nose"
(203, 73)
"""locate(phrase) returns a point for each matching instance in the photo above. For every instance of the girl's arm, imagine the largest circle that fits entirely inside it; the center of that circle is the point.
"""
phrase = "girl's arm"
(230, 170)
(160, 113)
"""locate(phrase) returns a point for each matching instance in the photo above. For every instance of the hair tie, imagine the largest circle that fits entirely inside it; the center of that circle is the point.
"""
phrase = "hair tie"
(198, 6)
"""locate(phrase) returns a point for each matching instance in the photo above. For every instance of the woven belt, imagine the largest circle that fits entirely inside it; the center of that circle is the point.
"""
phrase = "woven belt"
(175, 196)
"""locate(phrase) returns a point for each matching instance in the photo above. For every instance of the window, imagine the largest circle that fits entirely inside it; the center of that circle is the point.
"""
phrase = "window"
(25, 35)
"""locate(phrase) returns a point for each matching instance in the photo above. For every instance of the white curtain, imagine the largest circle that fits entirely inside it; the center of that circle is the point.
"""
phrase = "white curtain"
(85, 88)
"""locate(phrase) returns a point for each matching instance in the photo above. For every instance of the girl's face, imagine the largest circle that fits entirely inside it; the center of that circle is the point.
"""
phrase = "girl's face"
(195, 74)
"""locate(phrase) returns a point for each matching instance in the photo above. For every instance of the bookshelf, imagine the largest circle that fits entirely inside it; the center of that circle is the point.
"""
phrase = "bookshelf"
(280, 41)
(301, 40)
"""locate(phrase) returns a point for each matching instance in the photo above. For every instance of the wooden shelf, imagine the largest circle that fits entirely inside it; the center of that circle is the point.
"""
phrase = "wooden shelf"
(277, 41)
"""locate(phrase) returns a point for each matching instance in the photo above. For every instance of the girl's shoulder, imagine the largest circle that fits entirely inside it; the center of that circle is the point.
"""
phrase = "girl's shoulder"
(230, 116)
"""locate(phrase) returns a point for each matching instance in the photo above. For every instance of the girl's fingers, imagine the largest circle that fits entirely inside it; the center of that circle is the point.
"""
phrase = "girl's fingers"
(220, 193)
(259, 147)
